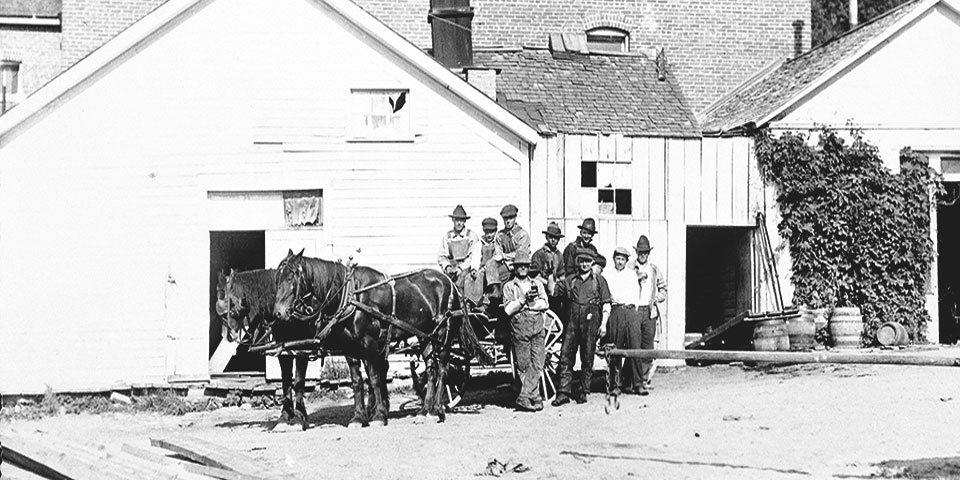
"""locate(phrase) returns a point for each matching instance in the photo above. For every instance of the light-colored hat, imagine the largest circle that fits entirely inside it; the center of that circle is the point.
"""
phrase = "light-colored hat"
(621, 251)
(522, 257)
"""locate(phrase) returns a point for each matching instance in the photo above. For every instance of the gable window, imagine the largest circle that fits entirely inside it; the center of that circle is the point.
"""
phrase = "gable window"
(380, 115)
(605, 39)
(615, 201)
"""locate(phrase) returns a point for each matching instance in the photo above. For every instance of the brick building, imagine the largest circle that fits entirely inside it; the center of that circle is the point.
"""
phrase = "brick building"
(29, 45)
(87, 24)
(712, 45)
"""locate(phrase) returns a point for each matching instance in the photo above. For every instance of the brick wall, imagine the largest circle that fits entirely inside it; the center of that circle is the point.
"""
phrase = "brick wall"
(712, 45)
(38, 49)
(87, 24)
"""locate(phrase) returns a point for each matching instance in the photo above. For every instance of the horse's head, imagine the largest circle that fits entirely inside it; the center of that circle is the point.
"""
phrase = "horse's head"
(291, 285)
(230, 305)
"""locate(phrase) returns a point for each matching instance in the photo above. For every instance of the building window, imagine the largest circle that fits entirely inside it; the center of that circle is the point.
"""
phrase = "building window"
(588, 174)
(615, 201)
(606, 39)
(302, 208)
(10, 76)
(380, 115)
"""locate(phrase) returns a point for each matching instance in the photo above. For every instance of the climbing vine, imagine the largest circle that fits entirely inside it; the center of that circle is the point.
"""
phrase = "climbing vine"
(859, 234)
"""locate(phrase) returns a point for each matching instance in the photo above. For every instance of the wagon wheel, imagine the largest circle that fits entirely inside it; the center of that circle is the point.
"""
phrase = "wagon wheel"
(551, 363)
(458, 371)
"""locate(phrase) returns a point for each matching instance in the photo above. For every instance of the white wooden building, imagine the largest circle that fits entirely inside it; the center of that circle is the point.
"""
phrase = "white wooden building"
(895, 78)
(620, 145)
(171, 152)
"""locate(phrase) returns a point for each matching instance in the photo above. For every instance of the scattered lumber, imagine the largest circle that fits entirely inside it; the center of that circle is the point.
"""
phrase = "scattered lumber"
(213, 455)
(886, 358)
(716, 332)
(53, 457)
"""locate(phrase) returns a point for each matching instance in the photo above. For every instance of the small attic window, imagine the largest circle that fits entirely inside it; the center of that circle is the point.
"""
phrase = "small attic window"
(605, 39)
(380, 115)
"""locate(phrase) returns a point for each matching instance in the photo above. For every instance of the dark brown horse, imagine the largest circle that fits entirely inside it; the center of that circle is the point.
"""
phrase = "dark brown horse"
(245, 300)
(423, 301)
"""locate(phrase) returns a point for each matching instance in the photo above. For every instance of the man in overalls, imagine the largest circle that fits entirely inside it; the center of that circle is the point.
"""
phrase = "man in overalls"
(525, 300)
(588, 228)
(586, 298)
(487, 249)
(459, 255)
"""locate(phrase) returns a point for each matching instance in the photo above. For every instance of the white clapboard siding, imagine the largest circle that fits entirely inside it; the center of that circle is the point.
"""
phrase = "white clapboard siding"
(708, 181)
(106, 231)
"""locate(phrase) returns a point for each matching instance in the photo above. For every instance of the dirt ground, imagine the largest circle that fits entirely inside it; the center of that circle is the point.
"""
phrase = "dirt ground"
(716, 422)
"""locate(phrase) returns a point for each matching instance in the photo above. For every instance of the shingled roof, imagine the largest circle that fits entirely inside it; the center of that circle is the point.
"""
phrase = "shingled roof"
(757, 98)
(589, 93)
(31, 8)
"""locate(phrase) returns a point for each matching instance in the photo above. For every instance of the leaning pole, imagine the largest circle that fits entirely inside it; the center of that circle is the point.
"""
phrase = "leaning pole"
(889, 358)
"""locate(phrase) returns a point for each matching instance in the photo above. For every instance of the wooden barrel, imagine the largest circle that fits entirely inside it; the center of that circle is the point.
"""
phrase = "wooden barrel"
(846, 325)
(892, 333)
(816, 315)
(802, 330)
(771, 335)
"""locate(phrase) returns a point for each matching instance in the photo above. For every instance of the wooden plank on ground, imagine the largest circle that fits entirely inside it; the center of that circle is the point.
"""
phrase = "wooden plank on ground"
(118, 462)
(38, 456)
(716, 332)
(156, 456)
(214, 455)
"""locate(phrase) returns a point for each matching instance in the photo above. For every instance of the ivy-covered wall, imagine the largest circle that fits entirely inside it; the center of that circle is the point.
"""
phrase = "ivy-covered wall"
(859, 234)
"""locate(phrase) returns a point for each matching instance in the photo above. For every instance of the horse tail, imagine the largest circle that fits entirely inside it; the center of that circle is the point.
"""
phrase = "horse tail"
(468, 337)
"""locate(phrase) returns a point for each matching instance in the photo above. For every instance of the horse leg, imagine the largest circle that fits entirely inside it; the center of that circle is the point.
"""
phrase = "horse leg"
(384, 367)
(299, 383)
(356, 380)
(286, 381)
(440, 406)
(429, 384)
(379, 417)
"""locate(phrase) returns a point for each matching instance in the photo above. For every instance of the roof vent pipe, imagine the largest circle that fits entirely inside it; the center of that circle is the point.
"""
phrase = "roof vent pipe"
(450, 22)
(854, 14)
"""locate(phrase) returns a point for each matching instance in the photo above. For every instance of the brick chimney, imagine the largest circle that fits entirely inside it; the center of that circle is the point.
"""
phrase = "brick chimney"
(450, 25)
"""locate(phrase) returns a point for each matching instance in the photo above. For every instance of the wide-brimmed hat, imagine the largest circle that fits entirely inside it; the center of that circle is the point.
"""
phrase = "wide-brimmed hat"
(585, 252)
(621, 251)
(553, 230)
(489, 224)
(459, 213)
(589, 225)
(522, 257)
(643, 244)
(508, 211)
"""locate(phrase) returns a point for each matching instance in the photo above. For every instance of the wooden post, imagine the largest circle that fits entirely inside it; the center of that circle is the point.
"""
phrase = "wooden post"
(792, 357)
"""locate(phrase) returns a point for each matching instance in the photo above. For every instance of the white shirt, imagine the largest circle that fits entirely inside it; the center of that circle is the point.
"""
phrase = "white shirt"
(623, 286)
(645, 274)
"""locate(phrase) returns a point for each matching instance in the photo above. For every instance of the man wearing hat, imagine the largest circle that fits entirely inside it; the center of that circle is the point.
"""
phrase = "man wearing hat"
(525, 301)
(509, 241)
(653, 291)
(588, 228)
(487, 250)
(586, 298)
(459, 255)
(624, 328)
(549, 261)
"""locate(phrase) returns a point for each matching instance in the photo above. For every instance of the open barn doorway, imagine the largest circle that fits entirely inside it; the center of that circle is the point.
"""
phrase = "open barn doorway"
(948, 262)
(243, 250)
(718, 276)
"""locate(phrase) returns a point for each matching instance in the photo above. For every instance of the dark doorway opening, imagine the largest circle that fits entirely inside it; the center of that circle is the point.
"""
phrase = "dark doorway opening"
(948, 262)
(718, 275)
(240, 251)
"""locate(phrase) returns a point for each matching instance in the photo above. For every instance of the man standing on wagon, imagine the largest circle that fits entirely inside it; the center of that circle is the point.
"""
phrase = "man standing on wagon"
(525, 301)
(549, 262)
(459, 255)
(512, 239)
(586, 298)
(588, 228)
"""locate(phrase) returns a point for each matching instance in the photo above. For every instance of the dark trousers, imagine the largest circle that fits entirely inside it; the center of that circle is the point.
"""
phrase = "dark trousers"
(582, 325)
(528, 353)
(648, 330)
(624, 331)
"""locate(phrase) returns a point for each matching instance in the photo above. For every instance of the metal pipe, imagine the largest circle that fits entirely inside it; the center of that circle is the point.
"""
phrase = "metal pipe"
(791, 357)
